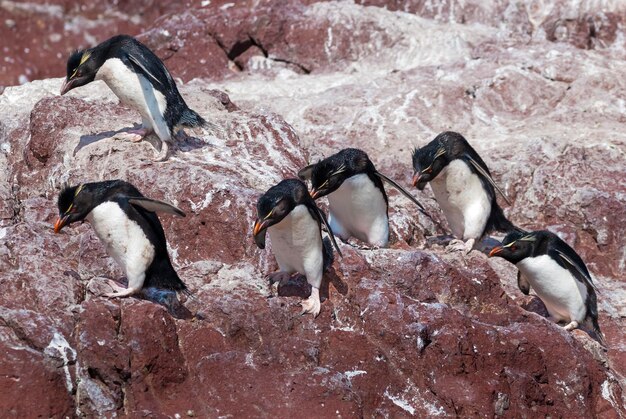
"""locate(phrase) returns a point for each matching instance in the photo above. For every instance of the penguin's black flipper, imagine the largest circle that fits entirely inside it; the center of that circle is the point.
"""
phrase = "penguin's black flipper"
(522, 283)
(484, 172)
(404, 192)
(145, 62)
(141, 68)
(153, 205)
(328, 256)
(572, 262)
(306, 172)
(592, 317)
(322, 219)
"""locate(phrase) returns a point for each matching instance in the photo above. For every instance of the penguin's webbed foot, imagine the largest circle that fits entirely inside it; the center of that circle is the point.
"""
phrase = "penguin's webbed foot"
(571, 326)
(125, 293)
(133, 135)
(457, 245)
(119, 291)
(312, 304)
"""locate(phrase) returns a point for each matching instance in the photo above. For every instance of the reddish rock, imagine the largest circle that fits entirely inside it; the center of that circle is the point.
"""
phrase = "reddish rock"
(409, 330)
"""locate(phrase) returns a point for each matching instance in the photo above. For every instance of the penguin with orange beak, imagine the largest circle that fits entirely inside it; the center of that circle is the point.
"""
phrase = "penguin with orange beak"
(140, 80)
(357, 201)
(288, 213)
(126, 223)
(556, 273)
(463, 187)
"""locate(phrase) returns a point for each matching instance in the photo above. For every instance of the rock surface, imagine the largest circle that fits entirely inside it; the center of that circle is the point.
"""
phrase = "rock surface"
(409, 330)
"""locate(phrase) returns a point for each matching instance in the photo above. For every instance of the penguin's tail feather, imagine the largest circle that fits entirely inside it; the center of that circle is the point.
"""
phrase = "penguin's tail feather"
(498, 221)
(190, 118)
(198, 125)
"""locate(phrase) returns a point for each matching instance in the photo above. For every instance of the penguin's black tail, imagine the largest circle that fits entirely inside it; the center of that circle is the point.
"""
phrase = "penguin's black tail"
(190, 118)
(497, 221)
(162, 275)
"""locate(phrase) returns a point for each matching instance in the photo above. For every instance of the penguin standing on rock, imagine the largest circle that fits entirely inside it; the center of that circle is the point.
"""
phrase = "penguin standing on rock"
(556, 273)
(358, 203)
(126, 223)
(140, 80)
(462, 186)
(294, 222)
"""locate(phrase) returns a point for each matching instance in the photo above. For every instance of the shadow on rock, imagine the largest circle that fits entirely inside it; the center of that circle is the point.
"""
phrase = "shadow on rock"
(86, 140)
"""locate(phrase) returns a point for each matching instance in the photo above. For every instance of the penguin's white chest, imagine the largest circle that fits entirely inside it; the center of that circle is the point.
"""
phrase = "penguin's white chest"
(297, 245)
(562, 294)
(358, 209)
(136, 91)
(463, 200)
(123, 238)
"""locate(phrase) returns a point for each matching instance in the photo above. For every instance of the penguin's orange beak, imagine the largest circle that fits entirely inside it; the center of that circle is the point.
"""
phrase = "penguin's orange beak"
(314, 193)
(416, 178)
(259, 226)
(60, 223)
(495, 251)
(67, 86)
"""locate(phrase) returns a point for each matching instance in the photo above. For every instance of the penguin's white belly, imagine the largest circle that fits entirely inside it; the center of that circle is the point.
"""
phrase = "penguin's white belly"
(563, 295)
(463, 200)
(358, 209)
(123, 238)
(136, 91)
(297, 245)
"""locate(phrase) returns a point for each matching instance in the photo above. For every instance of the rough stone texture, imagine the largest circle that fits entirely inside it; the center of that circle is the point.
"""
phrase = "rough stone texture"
(410, 330)
(39, 35)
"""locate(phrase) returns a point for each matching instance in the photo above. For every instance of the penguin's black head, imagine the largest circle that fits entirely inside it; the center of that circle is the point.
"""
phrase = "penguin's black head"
(74, 203)
(430, 160)
(276, 204)
(82, 67)
(327, 175)
(516, 246)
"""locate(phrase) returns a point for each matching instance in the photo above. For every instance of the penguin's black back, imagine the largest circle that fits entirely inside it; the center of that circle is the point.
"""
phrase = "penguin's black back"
(176, 112)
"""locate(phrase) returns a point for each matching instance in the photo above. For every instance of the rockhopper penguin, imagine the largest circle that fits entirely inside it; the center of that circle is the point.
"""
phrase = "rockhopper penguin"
(556, 273)
(126, 223)
(294, 222)
(358, 204)
(140, 80)
(462, 186)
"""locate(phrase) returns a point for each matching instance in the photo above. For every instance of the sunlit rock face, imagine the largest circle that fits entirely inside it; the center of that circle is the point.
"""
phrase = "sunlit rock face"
(408, 330)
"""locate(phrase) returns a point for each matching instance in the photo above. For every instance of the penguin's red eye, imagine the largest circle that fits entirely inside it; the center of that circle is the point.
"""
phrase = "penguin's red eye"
(514, 248)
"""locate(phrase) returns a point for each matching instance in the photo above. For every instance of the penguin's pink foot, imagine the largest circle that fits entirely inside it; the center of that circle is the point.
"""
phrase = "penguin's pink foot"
(460, 246)
(571, 326)
(133, 135)
(280, 276)
(124, 293)
(119, 291)
(312, 305)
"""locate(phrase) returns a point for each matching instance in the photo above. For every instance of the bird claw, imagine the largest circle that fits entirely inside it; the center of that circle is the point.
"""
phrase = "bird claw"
(163, 154)
(460, 246)
(312, 305)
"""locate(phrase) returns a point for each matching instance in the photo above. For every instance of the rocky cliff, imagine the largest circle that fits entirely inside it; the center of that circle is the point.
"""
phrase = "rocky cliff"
(408, 330)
